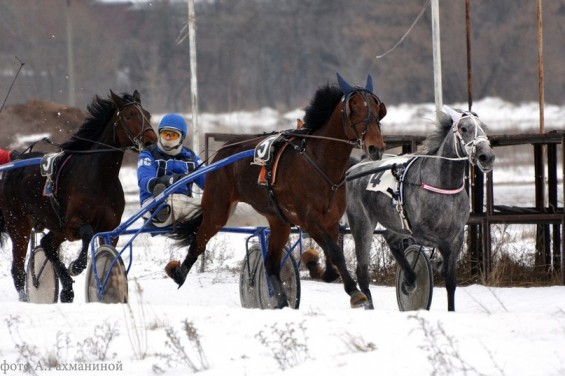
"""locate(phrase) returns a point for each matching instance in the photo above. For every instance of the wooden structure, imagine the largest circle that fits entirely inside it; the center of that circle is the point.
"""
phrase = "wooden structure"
(546, 214)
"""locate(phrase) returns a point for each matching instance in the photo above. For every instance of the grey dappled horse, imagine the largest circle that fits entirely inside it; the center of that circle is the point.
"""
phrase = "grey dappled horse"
(435, 207)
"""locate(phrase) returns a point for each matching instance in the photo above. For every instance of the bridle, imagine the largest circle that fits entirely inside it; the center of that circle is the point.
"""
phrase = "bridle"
(371, 116)
(136, 140)
(468, 149)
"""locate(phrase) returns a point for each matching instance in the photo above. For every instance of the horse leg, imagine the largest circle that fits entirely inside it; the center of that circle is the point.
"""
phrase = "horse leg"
(277, 239)
(311, 260)
(362, 232)
(336, 257)
(19, 231)
(204, 231)
(19, 251)
(86, 232)
(397, 244)
(51, 246)
(450, 254)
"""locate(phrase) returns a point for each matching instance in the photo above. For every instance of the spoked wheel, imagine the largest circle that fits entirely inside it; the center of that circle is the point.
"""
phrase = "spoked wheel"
(112, 288)
(251, 271)
(253, 285)
(42, 284)
(418, 296)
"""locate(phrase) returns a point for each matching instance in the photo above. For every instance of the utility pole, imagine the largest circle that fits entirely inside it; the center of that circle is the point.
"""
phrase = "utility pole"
(70, 61)
(193, 77)
(438, 95)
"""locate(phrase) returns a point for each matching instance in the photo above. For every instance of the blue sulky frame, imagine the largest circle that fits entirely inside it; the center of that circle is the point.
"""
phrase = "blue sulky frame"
(153, 207)
(19, 163)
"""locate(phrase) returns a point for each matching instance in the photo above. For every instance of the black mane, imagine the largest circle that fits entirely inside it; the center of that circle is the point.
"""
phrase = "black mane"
(321, 106)
(100, 111)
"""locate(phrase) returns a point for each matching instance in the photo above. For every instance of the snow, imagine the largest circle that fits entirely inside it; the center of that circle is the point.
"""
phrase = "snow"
(494, 331)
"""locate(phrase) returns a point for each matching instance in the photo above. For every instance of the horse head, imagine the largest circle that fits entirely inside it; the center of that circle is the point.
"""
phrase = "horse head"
(132, 122)
(362, 112)
(471, 139)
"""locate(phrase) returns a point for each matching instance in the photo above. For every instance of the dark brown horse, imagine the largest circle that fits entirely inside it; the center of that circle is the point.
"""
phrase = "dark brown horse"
(309, 190)
(88, 196)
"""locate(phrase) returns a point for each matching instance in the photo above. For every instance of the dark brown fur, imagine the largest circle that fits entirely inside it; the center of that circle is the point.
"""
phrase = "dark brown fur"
(305, 197)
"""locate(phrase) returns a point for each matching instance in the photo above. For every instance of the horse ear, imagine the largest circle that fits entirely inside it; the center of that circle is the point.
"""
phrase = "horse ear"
(454, 115)
(116, 99)
(369, 86)
(382, 110)
(136, 96)
(344, 86)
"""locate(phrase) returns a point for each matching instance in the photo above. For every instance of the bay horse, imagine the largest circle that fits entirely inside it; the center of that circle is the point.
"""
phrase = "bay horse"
(309, 190)
(87, 194)
(430, 207)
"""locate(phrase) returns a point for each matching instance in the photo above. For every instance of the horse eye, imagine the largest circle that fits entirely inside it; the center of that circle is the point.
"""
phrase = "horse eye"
(464, 129)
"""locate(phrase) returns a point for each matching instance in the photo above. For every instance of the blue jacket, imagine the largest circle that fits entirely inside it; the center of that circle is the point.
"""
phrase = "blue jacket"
(153, 163)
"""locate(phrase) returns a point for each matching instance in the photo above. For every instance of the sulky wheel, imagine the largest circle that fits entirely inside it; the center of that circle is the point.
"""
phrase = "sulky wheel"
(419, 296)
(290, 279)
(42, 284)
(112, 288)
(253, 286)
(251, 271)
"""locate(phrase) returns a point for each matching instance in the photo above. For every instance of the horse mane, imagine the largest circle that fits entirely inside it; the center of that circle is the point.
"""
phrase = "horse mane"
(321, 106)
(100, 111)
(433, 142)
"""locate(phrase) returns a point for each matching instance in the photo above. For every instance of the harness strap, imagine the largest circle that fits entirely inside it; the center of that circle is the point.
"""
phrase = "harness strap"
(53, 196)
(335, 186)
(431, 188)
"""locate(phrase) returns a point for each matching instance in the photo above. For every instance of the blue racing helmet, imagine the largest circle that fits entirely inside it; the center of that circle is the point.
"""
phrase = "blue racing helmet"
(174, 122)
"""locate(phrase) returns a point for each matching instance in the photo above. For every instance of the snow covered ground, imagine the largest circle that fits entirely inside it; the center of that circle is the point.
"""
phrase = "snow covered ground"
(495, 331)
(201, 326)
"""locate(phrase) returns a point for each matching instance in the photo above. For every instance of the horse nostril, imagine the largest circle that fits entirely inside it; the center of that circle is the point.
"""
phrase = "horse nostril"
(486, 158)
(375, 153)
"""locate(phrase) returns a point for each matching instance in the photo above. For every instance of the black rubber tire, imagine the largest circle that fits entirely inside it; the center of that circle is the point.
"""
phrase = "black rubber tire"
(42, 283)
(116, 289)
(420, 297)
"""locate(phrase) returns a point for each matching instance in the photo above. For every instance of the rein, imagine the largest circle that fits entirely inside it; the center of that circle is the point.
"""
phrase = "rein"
(137, 141)
(470, 147)
(345, 112)
(301, 150)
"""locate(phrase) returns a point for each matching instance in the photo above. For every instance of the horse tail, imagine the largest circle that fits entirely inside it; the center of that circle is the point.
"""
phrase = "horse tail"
(311, 259)
(3, 234)
(184, 232)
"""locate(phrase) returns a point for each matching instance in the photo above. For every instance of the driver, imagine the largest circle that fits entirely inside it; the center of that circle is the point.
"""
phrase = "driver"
(162, 164)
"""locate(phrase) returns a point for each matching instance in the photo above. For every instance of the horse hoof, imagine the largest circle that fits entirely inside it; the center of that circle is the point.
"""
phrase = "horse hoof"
(22, 297)
(179, 276)
(177, 272)
(75, 268)
(358, 300)
(67, 296)
(408, 288)
(310, 258)
(171, 267)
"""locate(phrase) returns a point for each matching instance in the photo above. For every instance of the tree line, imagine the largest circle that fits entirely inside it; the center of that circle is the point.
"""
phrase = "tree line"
(260, 53)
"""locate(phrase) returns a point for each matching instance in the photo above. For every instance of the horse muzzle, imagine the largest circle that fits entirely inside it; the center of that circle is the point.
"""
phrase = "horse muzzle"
(374, 153)
(485, 161)
(148, 138)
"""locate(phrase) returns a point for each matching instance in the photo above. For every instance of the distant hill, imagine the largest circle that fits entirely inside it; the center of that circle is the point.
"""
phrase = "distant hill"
(48, 119)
